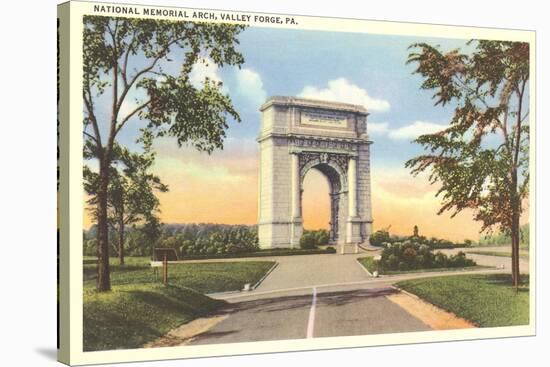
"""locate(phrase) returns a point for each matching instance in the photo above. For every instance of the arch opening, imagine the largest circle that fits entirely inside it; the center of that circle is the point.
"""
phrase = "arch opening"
(316, 201)
(326, 206)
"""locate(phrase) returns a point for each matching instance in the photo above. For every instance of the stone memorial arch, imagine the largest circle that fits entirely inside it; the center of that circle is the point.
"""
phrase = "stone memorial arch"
(298, 135)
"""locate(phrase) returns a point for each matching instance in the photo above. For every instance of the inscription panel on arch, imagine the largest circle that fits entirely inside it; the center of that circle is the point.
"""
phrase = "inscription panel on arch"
(318, 117)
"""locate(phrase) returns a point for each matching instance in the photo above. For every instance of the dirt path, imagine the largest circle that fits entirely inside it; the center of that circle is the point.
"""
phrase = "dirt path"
(433, 316)
(186, 332)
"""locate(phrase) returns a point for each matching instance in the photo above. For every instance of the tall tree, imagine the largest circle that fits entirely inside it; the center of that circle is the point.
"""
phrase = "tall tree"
(125, 56)
(489, 176)
(131, 192)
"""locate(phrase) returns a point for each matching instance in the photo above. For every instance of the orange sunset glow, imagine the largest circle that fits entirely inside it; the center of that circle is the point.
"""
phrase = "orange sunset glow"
(223, 188)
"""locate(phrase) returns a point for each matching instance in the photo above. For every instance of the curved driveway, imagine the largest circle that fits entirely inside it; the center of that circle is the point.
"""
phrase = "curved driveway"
(316, 296)
(314, 270)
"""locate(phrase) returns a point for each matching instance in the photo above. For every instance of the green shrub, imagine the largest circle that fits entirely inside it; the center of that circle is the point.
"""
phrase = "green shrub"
(313, 239)
(410, 255)
(264, 253)
(322, 237)
(460, 260)
(379, 237)
(382, 238)
(187, 239)
(213, 240)
(308, 240)
(441, 260)
(391, 262)
(90, 247)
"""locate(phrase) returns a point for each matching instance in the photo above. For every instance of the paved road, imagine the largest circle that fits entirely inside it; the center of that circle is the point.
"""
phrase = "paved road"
(322, 296)
(321, 313)
(313, 270)
(495, 261)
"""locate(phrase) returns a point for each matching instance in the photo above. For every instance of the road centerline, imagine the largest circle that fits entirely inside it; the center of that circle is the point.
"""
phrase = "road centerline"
(311, 320)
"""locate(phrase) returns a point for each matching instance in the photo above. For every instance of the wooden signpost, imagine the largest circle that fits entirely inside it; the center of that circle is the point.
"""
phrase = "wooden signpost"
(165, 270)
(161, 256)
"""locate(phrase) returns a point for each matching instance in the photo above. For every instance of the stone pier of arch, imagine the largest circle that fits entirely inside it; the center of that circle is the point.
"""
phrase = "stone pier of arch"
(298, 135)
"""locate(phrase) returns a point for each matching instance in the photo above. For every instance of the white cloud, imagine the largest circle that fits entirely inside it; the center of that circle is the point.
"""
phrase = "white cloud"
(416, 129)
(341, 90)
(380, 128)
(204, 68)
(250, 86)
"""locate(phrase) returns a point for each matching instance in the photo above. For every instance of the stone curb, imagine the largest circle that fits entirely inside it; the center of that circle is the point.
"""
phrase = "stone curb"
(251, 288)
(264, 277)
(407, 293)
(364, 269)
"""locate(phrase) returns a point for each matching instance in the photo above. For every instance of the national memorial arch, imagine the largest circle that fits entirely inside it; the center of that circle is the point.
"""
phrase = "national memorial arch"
(300, 134)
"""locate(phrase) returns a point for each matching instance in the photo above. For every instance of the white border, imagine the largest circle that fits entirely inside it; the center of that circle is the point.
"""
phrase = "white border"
(78, 9)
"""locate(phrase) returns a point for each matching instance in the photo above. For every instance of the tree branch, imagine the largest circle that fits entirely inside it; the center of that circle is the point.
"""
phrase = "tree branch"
(160, 55)
(138, 108)
(471, 90)
(126, 56)
(90, 107)
(518, 125)
(525, 116)
(114, 108)
(90, 136)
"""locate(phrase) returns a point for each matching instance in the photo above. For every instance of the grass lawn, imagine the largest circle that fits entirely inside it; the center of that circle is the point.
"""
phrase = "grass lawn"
(368, 263)
(371, 265)
(202, 277)
(140, 308)
(498, 253)
(486, 300)
(134, 314)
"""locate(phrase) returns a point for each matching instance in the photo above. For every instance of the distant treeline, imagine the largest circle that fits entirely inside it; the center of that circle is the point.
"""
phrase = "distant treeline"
(187, 239)
(500, 238)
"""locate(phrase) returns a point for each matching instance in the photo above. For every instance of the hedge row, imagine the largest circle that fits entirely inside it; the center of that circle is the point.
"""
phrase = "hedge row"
(264, 253)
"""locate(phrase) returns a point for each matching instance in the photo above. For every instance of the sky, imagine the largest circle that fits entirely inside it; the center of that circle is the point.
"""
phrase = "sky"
(358, 68)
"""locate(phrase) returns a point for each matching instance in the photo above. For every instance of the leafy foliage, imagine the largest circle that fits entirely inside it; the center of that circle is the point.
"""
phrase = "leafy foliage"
(212, 239)
(131, 191)
(410, 255)
(125, 57)
(490, 89)
(500, 238)
(173, 105)
(313, 239)
(473, 174)
(380, 237)
(187, 239)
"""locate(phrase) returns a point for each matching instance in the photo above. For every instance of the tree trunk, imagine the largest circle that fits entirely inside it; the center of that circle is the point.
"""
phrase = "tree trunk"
(515, 249)
(121, 240)
(516, 206)
(515, 198)
(515, 263)
(103, 273)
